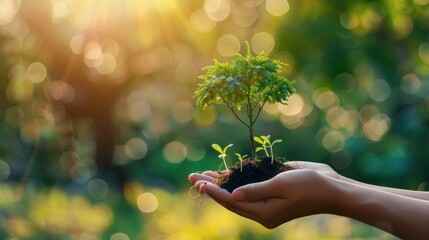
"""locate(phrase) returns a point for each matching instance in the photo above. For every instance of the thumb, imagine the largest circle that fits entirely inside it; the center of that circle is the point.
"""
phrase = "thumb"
(255, 191)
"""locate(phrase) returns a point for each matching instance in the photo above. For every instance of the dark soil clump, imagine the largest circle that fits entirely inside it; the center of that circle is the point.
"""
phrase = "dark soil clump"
(253, 171)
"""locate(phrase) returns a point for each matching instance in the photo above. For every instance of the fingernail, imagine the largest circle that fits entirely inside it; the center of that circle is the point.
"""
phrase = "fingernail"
(199, 184)
(238, 195)
(191, 175)
(203, 187)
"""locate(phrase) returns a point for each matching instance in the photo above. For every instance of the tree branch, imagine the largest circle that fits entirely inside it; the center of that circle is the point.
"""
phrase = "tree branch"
(233, 111)
(259, 110)
(261, 106)
(256, 104)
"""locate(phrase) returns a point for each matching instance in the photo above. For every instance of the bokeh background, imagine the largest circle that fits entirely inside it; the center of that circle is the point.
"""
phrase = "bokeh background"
(99, 128)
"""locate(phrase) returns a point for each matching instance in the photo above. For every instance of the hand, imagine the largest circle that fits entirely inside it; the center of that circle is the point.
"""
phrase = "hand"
(314, 188)
(287, 196)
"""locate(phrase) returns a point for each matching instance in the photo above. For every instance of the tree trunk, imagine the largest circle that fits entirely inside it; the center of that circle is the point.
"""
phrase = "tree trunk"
(252, 142)
(94, 100)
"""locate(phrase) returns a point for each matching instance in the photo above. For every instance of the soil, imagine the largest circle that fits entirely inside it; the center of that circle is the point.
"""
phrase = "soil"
(253, 171)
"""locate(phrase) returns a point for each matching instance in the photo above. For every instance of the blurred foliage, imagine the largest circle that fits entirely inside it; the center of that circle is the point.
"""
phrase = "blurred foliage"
(99, 129)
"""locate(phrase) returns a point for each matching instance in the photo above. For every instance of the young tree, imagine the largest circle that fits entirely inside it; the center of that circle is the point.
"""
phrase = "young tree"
(245, 84)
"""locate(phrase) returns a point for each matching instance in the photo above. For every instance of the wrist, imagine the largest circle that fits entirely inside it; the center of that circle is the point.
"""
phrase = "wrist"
(347, 198)
(363, 204)
(336, 198)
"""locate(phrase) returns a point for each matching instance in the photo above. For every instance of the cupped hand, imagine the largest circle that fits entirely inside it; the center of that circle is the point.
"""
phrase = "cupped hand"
(287, 196)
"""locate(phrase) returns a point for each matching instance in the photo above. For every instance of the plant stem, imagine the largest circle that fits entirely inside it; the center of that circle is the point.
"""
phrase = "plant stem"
(266, 152)
(224, 163)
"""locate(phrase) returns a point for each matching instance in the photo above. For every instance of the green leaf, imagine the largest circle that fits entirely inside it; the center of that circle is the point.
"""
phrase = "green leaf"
(224, 150)
(266, 139)
(217, 148)
(277, 141)
(241, 158)
(259, 149)
(258, 140)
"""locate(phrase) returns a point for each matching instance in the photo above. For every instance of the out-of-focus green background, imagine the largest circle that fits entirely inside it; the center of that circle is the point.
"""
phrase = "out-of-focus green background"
(99, 128)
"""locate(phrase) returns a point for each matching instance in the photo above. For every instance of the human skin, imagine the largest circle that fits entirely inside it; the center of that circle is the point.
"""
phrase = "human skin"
(315, 188)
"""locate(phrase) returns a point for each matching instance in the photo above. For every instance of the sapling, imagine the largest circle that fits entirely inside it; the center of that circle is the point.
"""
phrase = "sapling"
(241, 158)
(222, 152)
(244, 86)
(266, 143)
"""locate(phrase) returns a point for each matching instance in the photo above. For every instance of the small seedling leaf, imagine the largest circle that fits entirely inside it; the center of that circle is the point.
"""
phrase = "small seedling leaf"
(217, 148)
(259, 149)
(259, 140)
(277, 141)
(266, 139)
(224, 150)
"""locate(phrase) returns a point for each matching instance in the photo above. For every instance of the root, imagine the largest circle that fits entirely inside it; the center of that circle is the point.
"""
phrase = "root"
(192, 195)
(199, 195)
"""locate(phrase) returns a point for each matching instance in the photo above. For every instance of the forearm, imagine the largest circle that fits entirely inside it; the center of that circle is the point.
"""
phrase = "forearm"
(402, 216)
(408, 193)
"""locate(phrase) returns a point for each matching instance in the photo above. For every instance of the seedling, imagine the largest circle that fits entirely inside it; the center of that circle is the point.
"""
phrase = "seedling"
(266, 143)
(244, 85)
(241, 158)
(222, 152)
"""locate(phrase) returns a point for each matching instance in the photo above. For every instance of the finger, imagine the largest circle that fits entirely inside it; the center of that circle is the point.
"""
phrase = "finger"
(224, 198)
(211, 174)
(216, 192)
(194, 177)
(200, 183)
(256, 191)
(207, 175)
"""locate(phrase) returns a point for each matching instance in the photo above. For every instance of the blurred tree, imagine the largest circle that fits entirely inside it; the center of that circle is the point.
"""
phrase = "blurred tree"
(95, 94)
